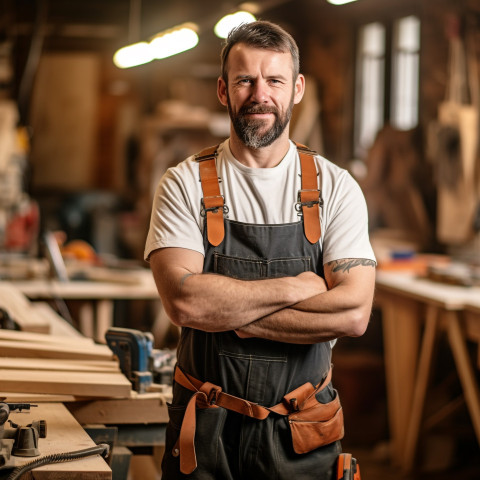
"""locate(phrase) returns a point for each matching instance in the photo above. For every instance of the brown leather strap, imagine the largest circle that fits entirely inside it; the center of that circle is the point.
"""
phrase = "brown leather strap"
(208, 395)
(212, 201)
(308, 202)
(309, 197)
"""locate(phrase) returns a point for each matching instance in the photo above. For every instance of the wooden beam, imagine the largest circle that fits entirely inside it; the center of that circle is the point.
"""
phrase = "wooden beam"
(10, 348)
(56, 365)
(145, 408)
(20, 309)
(45, 338)
(85, 384)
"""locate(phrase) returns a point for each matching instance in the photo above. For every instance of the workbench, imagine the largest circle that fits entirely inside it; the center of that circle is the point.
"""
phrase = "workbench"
(79, 388)
(64, 434)
(98, 295)
(414, 312)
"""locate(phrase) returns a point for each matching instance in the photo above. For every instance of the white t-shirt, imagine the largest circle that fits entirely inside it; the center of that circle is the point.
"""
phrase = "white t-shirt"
(260, 196)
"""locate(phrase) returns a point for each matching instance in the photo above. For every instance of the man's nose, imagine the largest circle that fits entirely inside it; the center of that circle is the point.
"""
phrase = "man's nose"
(260, 92)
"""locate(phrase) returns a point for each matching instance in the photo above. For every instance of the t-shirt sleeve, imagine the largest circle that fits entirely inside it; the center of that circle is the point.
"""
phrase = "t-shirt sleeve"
(346, 225)
(175, 219)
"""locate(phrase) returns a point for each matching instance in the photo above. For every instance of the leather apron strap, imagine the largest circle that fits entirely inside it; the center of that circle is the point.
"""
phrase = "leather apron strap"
(208, 395)
(213, 203)
(309, 197)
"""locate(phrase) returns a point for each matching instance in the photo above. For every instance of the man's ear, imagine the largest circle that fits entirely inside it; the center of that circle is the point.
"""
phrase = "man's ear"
(222, 91)
(299, 88)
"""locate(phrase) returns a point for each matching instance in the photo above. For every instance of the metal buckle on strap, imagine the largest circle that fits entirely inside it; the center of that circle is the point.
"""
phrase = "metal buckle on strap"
(299, 205)
(208, 156)
(214, 209)
(304, 149)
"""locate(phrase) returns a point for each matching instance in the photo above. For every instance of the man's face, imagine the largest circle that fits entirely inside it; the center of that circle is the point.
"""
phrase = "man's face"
(260, 94)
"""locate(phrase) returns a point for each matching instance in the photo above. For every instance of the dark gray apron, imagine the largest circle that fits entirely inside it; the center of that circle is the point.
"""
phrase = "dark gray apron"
(229, 445)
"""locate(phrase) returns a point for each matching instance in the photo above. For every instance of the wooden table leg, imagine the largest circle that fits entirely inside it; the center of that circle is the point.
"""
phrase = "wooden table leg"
(104, 319)
(464, 369)
(86, 319)
(401, 328)
(414, 411)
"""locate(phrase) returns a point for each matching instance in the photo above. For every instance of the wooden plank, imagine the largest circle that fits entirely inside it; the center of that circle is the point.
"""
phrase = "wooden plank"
(145, 408)
(66, 383)
(15, 397)
(63, 434)
(20, 309)
(56, 365)
(45, 338)
(33, 350)
(58, 325)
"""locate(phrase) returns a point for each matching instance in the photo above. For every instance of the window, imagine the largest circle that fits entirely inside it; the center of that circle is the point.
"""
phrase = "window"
(370, 85)
(375, 68)
(405, 78)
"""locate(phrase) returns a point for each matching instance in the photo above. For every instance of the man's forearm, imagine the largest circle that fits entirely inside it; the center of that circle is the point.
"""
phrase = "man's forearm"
(213, 302)
(344, 310)
(294, 325)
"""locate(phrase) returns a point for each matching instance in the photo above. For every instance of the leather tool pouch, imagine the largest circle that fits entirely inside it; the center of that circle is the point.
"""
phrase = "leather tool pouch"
(313, 424)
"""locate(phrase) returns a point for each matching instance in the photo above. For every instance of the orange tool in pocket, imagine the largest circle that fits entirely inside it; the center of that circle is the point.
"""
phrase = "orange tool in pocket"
(347, 467)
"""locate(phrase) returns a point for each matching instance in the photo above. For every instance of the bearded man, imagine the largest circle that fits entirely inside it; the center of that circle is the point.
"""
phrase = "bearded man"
(260, 252)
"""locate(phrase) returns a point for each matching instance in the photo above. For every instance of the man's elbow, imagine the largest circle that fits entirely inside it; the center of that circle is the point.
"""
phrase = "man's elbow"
(180, 313)
(359, 322)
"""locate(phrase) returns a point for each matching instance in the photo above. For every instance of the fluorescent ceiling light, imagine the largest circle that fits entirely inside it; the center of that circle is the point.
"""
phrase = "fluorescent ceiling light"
(174, 41)
(225, 24)
(340, 2)
(133, 55)
(165, 44)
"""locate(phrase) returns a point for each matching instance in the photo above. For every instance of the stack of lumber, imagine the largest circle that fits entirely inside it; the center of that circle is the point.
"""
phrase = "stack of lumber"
(36, 363)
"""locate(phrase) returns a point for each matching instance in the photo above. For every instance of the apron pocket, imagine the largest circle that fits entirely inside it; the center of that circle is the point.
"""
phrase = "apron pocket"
(316, 426)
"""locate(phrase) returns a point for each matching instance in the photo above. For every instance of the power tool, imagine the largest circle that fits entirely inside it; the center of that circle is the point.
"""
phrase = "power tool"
(18, 441)
(139, 361)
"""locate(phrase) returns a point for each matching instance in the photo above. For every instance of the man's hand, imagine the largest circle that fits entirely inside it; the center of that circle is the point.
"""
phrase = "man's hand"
(216, 303)
(313, 282)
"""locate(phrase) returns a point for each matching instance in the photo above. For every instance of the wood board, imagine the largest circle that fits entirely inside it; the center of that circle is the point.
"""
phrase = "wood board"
(10, 348)
(63, 434)
(44, 338)
(21, 310)
(55, 365)
(137, 409)
(66, 383)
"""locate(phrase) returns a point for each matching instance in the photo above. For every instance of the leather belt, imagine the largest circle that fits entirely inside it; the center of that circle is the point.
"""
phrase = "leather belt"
(208, 395)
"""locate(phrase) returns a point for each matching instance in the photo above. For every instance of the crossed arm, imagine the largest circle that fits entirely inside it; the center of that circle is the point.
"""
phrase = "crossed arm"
(301, 309)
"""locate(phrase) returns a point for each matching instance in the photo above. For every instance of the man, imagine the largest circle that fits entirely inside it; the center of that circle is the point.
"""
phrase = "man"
(259, 285)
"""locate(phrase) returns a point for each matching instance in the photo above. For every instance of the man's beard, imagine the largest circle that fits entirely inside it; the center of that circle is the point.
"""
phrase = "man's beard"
(250, 131)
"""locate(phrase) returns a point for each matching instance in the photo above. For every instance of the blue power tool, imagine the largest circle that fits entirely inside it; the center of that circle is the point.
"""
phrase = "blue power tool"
(139, 361)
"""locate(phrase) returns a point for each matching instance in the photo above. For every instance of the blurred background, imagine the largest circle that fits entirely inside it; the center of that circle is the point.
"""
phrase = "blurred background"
(392, 95)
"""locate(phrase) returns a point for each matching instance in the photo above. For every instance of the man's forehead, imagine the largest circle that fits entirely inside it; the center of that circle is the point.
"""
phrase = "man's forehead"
(243, 56)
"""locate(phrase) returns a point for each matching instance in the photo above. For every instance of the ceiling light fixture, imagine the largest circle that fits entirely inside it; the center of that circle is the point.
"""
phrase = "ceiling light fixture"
(175, 40)
(133, 55)
(163, 45)
(225, 24)
(340, 2)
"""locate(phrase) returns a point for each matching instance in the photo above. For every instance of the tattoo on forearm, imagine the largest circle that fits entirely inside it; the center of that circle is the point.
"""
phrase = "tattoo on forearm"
(182, 281)
(346, 264)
